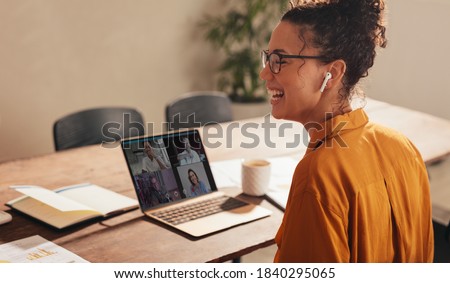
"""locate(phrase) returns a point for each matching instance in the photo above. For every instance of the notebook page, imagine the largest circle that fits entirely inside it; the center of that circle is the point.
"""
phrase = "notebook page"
(51, 198)
(102, 200)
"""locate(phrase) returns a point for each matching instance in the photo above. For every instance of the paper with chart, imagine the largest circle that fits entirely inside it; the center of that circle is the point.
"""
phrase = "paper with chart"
(36, 249)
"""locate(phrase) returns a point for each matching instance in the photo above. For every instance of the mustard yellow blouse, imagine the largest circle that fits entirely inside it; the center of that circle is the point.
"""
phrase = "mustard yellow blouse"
(360, 194)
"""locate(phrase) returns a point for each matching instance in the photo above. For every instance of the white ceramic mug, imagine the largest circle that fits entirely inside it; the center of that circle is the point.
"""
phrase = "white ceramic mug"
(255, 177)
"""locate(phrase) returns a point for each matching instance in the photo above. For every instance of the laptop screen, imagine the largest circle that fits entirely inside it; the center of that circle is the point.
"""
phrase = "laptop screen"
(168, 168)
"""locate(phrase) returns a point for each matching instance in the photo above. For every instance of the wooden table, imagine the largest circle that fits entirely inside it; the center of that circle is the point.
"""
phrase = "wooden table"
(131, 237)
(430, 134)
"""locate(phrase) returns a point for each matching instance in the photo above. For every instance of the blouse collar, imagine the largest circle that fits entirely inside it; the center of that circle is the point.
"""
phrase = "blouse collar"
(322, 132)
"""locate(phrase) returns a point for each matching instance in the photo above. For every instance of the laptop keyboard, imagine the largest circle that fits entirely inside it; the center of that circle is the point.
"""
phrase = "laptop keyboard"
(197, 210)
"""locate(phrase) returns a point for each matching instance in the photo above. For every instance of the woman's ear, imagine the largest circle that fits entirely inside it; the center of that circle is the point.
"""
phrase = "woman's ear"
(334, 75)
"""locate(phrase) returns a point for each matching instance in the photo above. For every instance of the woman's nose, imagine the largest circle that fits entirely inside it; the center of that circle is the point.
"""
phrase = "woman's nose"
(265, 73)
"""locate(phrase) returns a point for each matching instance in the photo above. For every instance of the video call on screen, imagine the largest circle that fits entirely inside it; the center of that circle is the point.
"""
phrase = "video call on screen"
(169, 168)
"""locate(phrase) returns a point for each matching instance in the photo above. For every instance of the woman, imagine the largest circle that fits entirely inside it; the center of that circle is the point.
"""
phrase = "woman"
(197, 187)
(361, 192)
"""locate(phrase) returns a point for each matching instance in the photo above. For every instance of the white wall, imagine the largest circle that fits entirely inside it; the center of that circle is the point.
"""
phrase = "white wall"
(414, 69)
(59, 56)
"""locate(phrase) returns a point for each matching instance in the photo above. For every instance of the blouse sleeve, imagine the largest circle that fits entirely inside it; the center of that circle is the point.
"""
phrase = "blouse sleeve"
(203, 187)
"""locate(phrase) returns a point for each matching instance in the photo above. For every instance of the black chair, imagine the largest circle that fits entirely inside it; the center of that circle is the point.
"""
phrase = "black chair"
(200, 108)
(441, 243)
(95, 126)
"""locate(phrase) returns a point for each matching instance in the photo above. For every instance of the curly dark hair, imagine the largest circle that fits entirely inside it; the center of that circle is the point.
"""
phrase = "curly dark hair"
(342, 29)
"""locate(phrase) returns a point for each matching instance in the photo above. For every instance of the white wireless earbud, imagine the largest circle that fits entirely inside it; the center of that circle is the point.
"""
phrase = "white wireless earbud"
(325, 81)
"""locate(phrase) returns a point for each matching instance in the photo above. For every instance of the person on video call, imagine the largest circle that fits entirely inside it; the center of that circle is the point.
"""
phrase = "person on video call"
(157, 191)
(197, 187)
(361, 192)
(152, 162)
(188, 155)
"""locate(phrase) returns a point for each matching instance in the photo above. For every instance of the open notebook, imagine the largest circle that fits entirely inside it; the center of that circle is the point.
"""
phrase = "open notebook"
(174, 185)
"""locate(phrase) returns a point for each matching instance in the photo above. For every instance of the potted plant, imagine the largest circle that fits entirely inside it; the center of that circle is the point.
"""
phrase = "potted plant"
(241, 33)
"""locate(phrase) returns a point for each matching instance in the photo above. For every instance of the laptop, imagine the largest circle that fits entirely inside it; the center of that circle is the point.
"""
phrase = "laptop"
(174, 184)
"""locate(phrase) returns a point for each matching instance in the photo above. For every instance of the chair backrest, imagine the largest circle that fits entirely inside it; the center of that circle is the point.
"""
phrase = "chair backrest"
(94, 126)
(199, 108)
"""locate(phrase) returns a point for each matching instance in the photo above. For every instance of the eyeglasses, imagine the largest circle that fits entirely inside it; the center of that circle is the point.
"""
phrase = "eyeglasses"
(275, 60)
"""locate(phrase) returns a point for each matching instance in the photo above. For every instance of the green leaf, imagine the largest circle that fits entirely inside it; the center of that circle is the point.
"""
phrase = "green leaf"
(241, 33)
